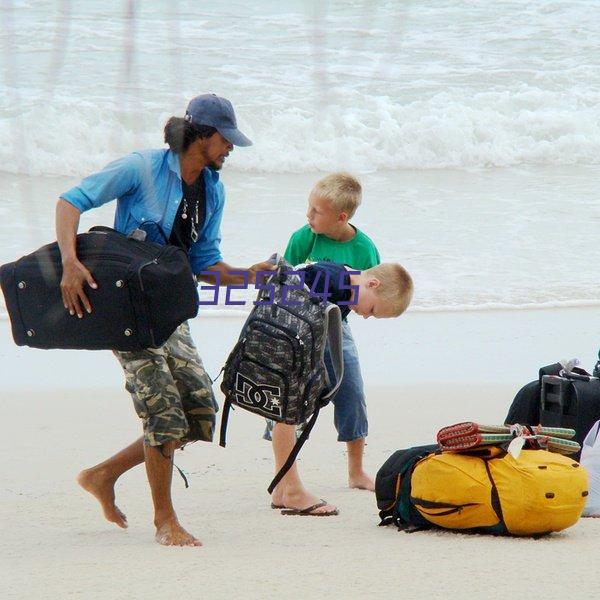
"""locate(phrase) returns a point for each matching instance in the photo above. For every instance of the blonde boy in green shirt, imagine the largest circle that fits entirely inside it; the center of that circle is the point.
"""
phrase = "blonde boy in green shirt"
(329, 236)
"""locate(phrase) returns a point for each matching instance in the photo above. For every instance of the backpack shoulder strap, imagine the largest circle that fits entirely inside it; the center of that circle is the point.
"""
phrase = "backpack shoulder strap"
(333, 325)
(402, 512)
(224, 420)
(295, 450)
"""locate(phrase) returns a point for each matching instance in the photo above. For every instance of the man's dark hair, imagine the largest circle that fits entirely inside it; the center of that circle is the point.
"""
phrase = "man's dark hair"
(179, 133)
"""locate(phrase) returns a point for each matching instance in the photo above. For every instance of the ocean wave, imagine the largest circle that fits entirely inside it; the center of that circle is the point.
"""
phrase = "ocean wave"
(354, 131)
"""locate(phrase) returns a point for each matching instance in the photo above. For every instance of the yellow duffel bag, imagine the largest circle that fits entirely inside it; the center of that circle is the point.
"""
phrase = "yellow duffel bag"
(486, 490)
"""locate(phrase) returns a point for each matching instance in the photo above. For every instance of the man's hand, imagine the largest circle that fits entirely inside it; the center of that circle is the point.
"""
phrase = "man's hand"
(75, 275)
(262, 266)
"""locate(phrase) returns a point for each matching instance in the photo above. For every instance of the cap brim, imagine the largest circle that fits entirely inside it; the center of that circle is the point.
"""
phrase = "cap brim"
(235, 136)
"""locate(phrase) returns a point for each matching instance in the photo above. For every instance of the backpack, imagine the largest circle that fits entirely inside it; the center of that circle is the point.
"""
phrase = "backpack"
(485, 490)
(277, 368)
(145, 291)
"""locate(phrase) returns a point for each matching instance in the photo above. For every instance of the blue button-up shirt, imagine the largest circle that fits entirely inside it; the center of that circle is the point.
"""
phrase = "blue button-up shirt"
(147, 187)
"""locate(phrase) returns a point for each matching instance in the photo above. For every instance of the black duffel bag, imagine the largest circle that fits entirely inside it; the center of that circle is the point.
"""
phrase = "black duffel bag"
(145, 291)
(525, 408)
(571, 400)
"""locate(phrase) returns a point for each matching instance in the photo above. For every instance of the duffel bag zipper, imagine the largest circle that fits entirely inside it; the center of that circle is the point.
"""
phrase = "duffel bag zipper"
(126, 243)
(144, 307)
(114, 257)
(154, 261)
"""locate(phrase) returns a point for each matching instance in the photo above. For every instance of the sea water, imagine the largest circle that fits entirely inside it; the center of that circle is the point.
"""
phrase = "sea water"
(474, 126)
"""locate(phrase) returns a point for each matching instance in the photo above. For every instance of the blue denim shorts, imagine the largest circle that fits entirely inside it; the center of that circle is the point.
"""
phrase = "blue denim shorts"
(350, 408)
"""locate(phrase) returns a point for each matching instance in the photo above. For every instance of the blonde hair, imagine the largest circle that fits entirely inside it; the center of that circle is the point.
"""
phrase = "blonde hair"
(342, 190)
(396, 285)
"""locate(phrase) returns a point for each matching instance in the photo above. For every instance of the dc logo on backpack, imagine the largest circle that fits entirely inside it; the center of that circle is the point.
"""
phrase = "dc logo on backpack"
(265, 397)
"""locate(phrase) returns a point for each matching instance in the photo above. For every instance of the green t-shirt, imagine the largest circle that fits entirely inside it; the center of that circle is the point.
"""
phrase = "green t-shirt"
(305, 246)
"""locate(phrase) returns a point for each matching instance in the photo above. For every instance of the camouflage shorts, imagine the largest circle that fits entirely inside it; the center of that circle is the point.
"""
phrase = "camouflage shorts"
(171, 391)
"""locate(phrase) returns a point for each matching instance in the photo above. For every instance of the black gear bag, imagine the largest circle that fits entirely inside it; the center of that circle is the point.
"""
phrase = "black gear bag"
(145, 291)
(569, 400)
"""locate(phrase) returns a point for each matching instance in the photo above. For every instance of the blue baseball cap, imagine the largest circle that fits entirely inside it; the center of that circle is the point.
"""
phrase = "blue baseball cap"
(217, 112)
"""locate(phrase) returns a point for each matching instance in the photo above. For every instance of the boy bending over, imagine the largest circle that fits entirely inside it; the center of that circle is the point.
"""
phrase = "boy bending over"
(383, 291)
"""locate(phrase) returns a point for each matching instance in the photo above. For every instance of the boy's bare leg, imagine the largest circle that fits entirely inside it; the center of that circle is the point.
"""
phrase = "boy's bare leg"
(100, 480)
(290, 492)
(357, 478)
(159, 467)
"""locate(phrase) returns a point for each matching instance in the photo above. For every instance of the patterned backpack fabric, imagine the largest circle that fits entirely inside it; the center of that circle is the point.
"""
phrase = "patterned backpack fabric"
(277, 367)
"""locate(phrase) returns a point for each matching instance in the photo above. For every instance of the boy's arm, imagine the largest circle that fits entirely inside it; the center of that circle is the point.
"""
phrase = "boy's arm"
(370, 253)
(377, 257)
(299, 246)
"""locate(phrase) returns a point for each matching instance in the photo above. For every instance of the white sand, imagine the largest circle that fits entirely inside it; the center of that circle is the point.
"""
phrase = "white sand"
(67, 410)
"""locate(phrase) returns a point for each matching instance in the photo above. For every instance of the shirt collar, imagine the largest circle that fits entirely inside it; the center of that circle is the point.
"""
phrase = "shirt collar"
(173, 162)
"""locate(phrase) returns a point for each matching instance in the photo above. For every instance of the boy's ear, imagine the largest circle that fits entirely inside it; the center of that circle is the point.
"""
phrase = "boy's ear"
(343, 216)
(373, 283)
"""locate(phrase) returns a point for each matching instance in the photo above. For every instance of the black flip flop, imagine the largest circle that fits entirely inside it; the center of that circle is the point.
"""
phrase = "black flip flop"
(309, 512)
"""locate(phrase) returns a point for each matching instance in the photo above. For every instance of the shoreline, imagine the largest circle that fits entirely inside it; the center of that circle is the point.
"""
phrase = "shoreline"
(501, 346)
(231, 313)
(501, 238)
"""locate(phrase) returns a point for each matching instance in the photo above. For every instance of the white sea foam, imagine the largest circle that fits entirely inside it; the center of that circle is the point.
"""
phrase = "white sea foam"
(317, 87)
(355, 131)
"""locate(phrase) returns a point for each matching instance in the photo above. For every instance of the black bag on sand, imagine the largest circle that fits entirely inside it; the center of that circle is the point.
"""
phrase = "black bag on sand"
(145, 291)
(571, 401)
(525, 408)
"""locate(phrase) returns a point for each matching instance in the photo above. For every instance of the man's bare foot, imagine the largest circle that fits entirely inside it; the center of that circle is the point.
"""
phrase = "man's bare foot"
(299, 500)
(102, 487)
(361, 482)
(171, 533)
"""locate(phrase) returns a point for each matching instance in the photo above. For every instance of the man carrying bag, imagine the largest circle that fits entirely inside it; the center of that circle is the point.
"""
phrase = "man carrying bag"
(175, 196)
